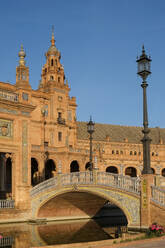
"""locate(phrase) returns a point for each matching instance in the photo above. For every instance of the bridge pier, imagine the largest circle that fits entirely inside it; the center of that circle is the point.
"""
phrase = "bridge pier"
(145, 207)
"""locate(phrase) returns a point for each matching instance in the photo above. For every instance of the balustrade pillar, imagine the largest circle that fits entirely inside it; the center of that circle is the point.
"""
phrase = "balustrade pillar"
(146, 181)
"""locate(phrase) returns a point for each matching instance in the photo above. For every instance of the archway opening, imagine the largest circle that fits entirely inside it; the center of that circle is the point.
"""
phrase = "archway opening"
(71, 204)
(153, 170)
(34, 172)
(49, 168)
(131, 171)
(5, 176)
(112, 169)
(74, 166)
(8, 175)
(163, 172)
(99, 217)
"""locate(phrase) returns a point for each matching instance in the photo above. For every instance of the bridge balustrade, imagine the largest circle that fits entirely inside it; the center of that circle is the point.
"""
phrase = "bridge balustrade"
(118, 181)
(158, 195)
(90, 178)
(77, 178)
(50, 183)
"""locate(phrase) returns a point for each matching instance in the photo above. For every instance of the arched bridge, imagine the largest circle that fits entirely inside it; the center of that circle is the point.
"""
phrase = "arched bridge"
(86, 192)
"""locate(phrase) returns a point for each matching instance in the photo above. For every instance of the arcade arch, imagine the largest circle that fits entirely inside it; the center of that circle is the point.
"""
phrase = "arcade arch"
(34, 170)
(163, 172)
(50, 168)
(112, 169)
(74, 166)
(131, 171)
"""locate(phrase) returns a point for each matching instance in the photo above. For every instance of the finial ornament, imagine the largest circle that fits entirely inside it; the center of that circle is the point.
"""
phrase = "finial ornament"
(143, 50)
(22, 56)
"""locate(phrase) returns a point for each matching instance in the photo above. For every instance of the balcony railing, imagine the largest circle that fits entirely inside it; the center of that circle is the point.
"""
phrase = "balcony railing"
(6, 204)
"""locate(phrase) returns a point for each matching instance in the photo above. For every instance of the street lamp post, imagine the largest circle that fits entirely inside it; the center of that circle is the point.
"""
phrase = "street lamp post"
(144, 70)
(90, 129)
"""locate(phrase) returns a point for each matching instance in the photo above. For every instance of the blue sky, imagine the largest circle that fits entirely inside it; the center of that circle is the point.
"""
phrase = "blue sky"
(99, 41)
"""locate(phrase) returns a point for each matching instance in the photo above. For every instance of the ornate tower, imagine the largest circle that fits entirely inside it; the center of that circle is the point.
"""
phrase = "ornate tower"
(22, 71)
(52, 72)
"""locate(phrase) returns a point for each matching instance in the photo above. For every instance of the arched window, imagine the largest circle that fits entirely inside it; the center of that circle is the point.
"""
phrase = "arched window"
(52, 62)
(139, 153)
(130, 153)
(74, 167)
(117, 152)
(121, 152)
(153, 154)
(135, 153)
(113, 151)
(34, 170)
(112, 169)
(49, 168)
(130, 171)
(163, 172)
(51, 78)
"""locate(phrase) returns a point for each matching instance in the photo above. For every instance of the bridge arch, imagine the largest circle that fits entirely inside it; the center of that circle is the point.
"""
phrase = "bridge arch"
(127, 202)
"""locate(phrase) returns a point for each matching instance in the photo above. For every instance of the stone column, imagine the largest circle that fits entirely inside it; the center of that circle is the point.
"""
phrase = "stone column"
(42, 166)
(145, 214)
(95, 170)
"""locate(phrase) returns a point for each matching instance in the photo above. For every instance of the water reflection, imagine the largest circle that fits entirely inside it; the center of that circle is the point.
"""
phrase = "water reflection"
(26, 235)
(61, 232)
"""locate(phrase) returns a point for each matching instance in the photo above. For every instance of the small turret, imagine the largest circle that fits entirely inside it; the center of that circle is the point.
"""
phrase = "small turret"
(22, 71)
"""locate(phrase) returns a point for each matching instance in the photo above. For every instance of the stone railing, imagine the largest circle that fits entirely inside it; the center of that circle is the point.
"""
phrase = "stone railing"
(77, 178)
(6, 204)
(47, 184)
(6, 241)
(131, 184)
(90, 178)
(158, 195)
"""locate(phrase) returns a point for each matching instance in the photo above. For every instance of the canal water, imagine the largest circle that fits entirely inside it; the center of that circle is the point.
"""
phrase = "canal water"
(62, 232)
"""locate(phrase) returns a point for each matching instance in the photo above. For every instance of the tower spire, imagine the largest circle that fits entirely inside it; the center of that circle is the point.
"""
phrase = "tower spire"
(53, 40)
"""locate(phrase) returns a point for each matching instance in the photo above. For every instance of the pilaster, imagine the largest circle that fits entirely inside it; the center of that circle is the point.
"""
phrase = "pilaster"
(145, 212)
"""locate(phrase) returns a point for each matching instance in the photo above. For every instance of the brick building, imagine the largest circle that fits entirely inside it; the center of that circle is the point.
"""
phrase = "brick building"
(40, 136)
